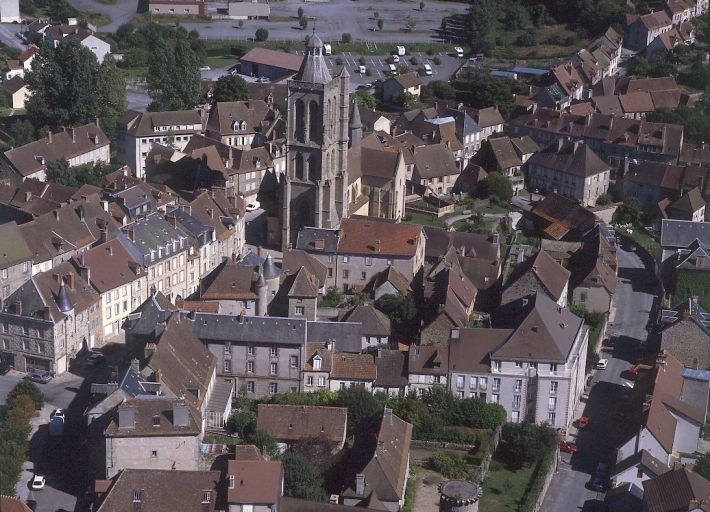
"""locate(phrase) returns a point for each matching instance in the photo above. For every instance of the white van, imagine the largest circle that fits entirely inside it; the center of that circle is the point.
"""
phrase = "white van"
(401, 50)
(393, 69)
(458, 51)
(327, 49)
(427, 69)
(362, 69)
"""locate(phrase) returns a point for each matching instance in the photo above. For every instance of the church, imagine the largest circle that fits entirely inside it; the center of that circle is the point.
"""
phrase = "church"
(330, 175)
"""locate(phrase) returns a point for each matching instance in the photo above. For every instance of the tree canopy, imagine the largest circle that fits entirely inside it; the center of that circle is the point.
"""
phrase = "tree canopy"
(302, 479)
(497, 185)
(110, 95)
(230, 88)
(173, 75)
(630, 212)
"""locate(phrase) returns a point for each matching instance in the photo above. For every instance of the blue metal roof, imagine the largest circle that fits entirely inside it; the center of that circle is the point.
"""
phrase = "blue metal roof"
(696, 374)
(529, 71)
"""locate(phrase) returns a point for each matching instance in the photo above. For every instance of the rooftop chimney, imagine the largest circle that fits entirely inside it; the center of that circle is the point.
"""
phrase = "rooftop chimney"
(180, 415)
(49, 137)
(73, 135)
(360, 484)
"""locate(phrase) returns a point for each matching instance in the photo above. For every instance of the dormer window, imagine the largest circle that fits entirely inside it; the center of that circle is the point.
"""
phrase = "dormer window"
(137, 495)
(206, 496)
(317, 363)
(156, 421)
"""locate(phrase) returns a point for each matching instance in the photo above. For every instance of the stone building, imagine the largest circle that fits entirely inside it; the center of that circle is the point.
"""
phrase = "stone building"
(16, 260)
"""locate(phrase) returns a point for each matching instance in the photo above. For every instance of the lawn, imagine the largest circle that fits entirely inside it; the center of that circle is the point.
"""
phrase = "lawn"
(221, 439)
(503, 489)
(692, 283)
(425, 220)
(644, 239)
(221, 61)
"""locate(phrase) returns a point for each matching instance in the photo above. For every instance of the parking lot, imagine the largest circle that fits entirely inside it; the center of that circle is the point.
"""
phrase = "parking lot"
(378, 66)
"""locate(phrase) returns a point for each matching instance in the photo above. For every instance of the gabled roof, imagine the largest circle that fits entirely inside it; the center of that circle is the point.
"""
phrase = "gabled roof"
(13, 249)
(226, 116)
(681, 233)
(675, 490)
(375, 237)
(434, 161)
(543, 331)
(13, 504)
(504, 152)
(575, 158)
(350, 366)
(144, 124)
(345, 336)
(232, 282)
(146, 408)
(294, 259)
(292, 423)
(255, 329)
(374, 322)
(561, 216)
(150, 318)
(428, 360)
(550, 274)
(471, 350)
(301, 284)
(689, 203)
(279, 59)
(391, 368)
(185, 364)
(318, 349)
(395, 278)
(595, 263)
(642, 458)
(407, 80)
(161, 490)
(110, 266)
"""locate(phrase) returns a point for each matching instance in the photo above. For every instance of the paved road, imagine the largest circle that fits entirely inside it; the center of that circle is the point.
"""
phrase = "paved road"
(568, 491)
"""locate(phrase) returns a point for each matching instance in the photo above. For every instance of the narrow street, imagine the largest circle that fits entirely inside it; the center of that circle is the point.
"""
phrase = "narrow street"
(569, 489)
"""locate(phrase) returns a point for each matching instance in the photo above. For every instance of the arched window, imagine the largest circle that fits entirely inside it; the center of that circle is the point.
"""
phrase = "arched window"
(300, 125)
(329, 118)
(299, 166)
(313, 122)
(313, 168)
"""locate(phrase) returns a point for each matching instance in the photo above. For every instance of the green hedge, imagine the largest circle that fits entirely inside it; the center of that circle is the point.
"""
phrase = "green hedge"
(691, 283)
(22, 403)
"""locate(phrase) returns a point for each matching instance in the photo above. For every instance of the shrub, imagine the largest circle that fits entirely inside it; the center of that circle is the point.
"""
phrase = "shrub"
(604, 198)
(242, 423)
(414, 61)
(261, 34)
(450, 465)
(525, 39)
(333, 296)
(437, 60)
(346, 37)
(25, 387)
(362, 60)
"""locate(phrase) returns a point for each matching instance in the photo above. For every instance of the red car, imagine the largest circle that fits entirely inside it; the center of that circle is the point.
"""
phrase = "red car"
(567, 447)
(582, 422)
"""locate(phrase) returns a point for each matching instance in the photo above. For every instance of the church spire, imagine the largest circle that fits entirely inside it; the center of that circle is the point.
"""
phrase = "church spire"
(314, 68)
(355, 126)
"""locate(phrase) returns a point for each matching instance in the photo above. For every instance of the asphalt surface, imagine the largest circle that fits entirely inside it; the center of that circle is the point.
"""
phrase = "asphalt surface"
(634, 298)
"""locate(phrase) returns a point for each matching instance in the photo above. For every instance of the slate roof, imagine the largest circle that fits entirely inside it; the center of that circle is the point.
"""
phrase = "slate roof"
(232, 282)
(313, 68)
(292, 423)
(674, 490)
(350, 366)
(542, 330)
(347, 336)
(681, 233)
(294, 259)
(428, 360)
(595, 263)
(161, 490)
(317, 239)
(434, 161)
(256, 114)
(150, 318)
(153, 233)
(145, 124)
(553, 276)
(256, 329)
(374, 322)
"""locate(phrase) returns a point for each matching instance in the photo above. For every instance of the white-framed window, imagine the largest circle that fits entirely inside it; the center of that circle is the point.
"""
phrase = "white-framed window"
(321, 381)
(460, 381)
(473, 383)
(274, 367)
(273, 388)
(250, 386)
(552, 403)
(516, 401)
(515, 416)
(551, 418)
(317, 361)
(250, 349)
(300, 310)
(518, 385)
(553, 367)
(274, 351)
(518, 364)
(368, 261)
(496, 384)
(250, 366)
(309, 380)
(495, 398)
(108, 312)
(293, 361)
(231, 481)
(346, 259)
(227, 366)
(496, 366)
(553, 387)
(227, 347)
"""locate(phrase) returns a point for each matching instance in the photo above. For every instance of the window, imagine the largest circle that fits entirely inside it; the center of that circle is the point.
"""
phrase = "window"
(273, 388)
(309, 380)
(496, 366)
(300, 310)
(551, 418)
(459, 381)
(317, 361)
(342, 385)
(250, 349)
(293, 361)
(368, 261)
(553, 387)
(553, 367)
(518, 364)
(363, 276)
(231, 481)
(330, 272)
(473, 383)
(346, 274)
(250, 366)
(206, 496)
(26, 345)
(495, 398)
(227, 366)
(483, 383)
(274, 351)
(108, 312)
(227, 347)
(346, 259)
(496, 384)
(125, 306)
(552, 403)
(274, 368)
(583, 297)
(516, 401)
(321, 382)
(137, 495)
(156, 421)
(153, 454)
(518, 385)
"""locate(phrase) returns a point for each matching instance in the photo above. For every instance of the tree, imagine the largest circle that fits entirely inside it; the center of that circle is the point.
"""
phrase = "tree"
(242, 423)
(362, 406)
(303, 22)
(301, 478)
(438, 90)
(630, 212)
(332, 298)
(62, 83)
(497, 185)
(265, 442)
(482, 17)
(22, 132)
(58, 172)
(174, 81)
(401, 311)
(230, 88)
(604, 198)
(409, 23)
(526, 442)
(421, 6)
(30, 389)
(110, 95)
(365, 99)
(484, 90)
(187, 75)
(300, 12)
(346, 37)
(380, 24)
(261, 34)
(702, 466)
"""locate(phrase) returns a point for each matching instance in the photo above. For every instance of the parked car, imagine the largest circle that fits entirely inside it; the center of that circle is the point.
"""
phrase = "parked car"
(58, 413)
(590, 381)
(395, 59)
(39, 377)
(56, 426)
(254, 205)
(602, 364)
(95, 359)
(38, 482)
(205, 68)
(568, 447)
(582, 422)
(264, 79)
(427, 69)
(458, 51)
(600, 477)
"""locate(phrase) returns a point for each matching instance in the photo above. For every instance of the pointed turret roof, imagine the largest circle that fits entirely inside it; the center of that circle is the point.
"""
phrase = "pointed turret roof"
(270, 270)
(355, 116)
(314, 68)
(63, 301)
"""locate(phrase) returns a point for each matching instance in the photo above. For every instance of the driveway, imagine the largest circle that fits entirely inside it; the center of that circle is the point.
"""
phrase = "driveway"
(568, 491)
